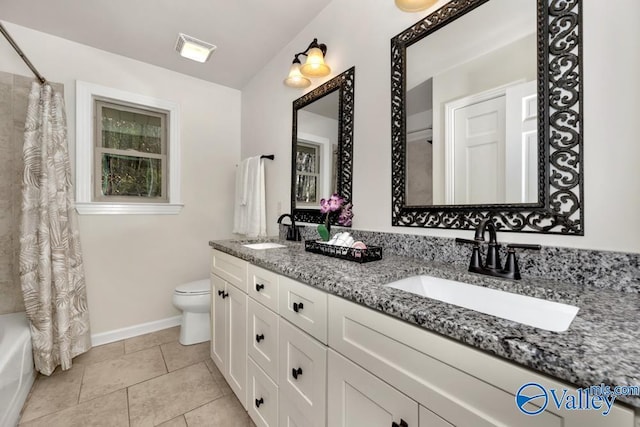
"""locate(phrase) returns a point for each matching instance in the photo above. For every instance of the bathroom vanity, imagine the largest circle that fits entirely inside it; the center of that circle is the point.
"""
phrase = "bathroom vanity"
(307, 340)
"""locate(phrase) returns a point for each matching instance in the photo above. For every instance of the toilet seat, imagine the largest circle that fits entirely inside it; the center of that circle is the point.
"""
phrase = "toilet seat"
(199, 287)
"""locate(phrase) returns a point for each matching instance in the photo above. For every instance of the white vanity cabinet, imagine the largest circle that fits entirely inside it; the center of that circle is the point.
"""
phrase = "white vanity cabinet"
(229, 321)
(270, 336)
(454, 383)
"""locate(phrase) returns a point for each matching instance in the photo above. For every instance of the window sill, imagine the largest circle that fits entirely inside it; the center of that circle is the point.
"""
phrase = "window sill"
(96, 208)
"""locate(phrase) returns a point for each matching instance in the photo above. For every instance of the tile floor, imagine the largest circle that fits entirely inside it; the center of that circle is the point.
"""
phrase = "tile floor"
(150, 380)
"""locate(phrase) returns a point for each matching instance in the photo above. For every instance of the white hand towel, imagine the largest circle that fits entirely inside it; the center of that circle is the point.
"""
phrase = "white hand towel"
(240, 201)
(256, 201)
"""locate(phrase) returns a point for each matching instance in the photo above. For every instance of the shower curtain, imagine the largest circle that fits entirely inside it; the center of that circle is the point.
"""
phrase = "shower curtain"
(51, 267)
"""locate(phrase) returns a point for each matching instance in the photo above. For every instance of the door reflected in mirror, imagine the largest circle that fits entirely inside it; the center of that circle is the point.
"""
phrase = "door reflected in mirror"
(316, 151)
(471, 109)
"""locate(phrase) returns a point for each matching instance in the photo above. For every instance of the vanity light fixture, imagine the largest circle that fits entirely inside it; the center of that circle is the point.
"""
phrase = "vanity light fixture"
(414, 5)
(194, 49)
(314, 66)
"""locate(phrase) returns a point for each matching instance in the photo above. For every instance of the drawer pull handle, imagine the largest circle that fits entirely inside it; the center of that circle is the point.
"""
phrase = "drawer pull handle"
(259, 287)
(223, 294)
(259, 337)
(403, 423)
(259, 402)
(297, 306)
(296, 372)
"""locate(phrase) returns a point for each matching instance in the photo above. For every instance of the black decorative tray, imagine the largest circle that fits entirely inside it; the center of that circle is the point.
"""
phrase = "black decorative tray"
(372, 253)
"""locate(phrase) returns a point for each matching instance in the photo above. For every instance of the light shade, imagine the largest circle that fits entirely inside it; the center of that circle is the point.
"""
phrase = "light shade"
(194, 49)
(315, 66)
(414, 5)
(295, 78)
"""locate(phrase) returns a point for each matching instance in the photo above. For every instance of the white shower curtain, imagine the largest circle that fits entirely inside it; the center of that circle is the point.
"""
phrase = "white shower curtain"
(51, 267)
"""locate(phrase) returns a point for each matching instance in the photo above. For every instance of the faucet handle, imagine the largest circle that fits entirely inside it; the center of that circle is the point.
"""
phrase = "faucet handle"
(524, 246)
(468, 241)
(474, 265)
(511, 268)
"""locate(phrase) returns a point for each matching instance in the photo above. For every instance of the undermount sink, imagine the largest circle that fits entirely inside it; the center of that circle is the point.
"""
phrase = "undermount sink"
(267, 245)
(536, 312)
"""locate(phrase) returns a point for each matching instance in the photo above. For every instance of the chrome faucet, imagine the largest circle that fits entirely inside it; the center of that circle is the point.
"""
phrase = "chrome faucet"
(492, 265)
(293, 230)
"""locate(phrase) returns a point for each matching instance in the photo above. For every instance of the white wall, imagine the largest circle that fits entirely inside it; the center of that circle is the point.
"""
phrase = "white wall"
(358, 33)
(133, 262)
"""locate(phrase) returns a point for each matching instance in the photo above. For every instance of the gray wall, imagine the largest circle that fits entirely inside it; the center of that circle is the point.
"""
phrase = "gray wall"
(14, 91)
(13, 109)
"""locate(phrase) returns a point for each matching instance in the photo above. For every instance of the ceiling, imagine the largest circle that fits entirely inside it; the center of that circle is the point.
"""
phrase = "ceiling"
(247, 32)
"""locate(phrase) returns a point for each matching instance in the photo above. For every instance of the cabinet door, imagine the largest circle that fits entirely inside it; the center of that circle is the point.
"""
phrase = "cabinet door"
(218, 323)
(262, 340)
(262, 403)
(236, 374)
(303, 372)
(263, 287)
(357, 398)
(429, 419)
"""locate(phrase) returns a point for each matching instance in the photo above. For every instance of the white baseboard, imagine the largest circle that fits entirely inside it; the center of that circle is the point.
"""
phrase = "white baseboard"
(135, 330)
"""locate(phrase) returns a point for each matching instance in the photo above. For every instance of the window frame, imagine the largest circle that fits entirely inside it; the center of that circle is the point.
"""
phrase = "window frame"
(86, 172)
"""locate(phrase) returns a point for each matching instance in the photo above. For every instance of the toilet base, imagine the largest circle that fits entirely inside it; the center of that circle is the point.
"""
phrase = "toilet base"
(195, 328)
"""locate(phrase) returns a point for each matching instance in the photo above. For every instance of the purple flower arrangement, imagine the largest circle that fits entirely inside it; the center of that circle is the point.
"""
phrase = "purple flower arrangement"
(333, 206)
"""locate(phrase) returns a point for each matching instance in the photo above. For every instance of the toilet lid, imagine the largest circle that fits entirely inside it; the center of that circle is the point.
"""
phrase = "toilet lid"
(199, 287)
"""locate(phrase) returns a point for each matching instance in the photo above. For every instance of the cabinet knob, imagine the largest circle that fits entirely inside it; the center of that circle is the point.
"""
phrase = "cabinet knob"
(259, 337)
(223, 294)
(220, 292)
(403, 423)
(295, 372)
(259, 287)
(297, 306)
(259, 402)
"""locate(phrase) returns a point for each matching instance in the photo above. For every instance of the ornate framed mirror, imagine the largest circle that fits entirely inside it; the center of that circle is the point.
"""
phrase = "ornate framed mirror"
(322, 146)
(486, 117)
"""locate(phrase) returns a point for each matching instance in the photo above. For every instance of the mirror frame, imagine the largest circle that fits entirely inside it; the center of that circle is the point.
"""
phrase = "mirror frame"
(344, 84)
(560, 123)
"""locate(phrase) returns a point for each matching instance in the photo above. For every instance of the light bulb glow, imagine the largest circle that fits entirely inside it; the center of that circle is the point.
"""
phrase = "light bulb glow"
(414, 5)
(314, 66)
(295, 78)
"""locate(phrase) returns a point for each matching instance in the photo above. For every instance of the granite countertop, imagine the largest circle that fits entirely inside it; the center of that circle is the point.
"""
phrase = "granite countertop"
(602, 345)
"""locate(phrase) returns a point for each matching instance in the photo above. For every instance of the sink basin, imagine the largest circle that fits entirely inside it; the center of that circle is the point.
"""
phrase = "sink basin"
(267, 245)
(536, 312)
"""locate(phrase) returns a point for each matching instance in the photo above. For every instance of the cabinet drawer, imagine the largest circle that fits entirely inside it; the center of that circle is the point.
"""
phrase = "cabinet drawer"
(263, 287)
(303, 372)
(233, 270)
(263, 396)
(304, 306)
(262, 340)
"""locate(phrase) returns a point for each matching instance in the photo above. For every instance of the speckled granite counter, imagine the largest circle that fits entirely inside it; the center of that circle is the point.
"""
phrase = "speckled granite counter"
(602, 345)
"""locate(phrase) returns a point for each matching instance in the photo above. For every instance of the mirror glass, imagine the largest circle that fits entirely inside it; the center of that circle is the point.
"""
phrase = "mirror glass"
(471, 109)
(316, 151)
(322, 146)
(486, 117)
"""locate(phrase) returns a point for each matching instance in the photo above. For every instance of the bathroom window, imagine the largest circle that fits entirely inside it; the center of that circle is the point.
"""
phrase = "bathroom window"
(126, 153)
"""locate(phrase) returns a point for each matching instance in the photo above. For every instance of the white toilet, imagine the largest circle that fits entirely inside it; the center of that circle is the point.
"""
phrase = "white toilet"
(194, 299)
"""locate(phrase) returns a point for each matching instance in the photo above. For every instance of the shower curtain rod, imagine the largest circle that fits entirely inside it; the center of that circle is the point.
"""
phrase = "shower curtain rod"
(22, 55)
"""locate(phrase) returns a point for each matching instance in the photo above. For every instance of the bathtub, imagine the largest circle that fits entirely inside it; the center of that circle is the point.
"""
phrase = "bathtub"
(16, 366)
